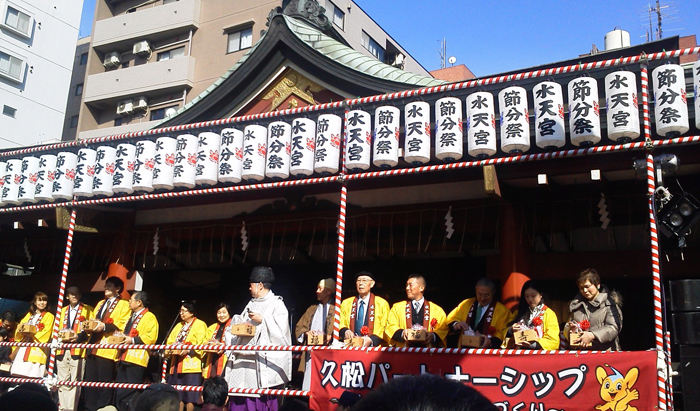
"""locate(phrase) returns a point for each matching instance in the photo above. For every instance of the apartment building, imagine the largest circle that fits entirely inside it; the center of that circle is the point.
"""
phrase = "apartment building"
(37, 45)
(148, 59)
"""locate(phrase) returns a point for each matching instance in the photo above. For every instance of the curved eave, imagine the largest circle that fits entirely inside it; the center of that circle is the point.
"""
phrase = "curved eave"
(333, 63)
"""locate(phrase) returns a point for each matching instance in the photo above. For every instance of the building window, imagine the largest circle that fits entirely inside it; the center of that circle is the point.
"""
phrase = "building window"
(11, 67)
(239, 40)
(159, 114)
(169, 1)
(9, 111)
(118, 121)
(83, 59)
(172, 54)
(338, 17)
(74, 122)
(372, 46)
(79, 89)
(17, 21)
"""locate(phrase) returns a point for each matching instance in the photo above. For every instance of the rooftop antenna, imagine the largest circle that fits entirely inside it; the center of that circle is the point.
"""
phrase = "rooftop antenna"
(443, 52)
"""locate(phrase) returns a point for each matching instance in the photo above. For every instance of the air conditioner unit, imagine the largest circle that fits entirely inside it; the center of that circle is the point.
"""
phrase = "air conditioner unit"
(140, 103)
(142, 47)
(125, 107)
(111, 60)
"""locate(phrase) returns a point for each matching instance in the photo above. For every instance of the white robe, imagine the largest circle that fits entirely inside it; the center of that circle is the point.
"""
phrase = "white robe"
(261, 369)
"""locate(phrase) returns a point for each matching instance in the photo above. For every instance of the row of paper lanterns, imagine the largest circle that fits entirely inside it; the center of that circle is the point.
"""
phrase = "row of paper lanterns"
(305, 147)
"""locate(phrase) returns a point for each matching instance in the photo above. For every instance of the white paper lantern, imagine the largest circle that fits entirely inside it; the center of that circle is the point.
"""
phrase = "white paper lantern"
(481, 125)
(64, 175)
(30, 176)
(550, 132)
(329, 128)
(416, 149)
(231, 157)
(584, 112)
(145, 164)
(208, 159)
(621, 107)
(47, 174)
(185, 170)
(515, 120)
(3, 165)
(279, 148)
(13, 179)
(671, 107)
(165, 163)
(387, 125)
(358, 140)
(254, 153)
(84, 172)
(449, 136)
(105, 163)
(696, 88)
(123, 178)
(301, 162)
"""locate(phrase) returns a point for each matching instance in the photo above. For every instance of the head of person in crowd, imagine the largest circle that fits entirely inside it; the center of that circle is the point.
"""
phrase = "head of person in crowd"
(113, 287)
(294, 405)
(324, 290)
(425, 392)
(3, 334)
(188, 311)
(531, 296)
(346, 400)
(364, 281)
(215, 392)
(138, 301)
(485, 291)
(588, 282)
(27, 396)
(415, 287)
(9, 321)
(223, 313)
(261, 279)
(73, 295)
(40, 303)
(158, 397)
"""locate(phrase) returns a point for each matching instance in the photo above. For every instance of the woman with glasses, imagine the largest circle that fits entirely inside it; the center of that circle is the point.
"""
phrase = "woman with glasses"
(595, 314)
(185, 363)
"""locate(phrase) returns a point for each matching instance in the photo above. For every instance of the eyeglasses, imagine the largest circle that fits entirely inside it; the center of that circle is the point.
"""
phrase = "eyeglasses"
(363, 281)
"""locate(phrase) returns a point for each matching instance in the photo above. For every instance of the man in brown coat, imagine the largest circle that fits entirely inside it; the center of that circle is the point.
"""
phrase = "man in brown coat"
(317, 320)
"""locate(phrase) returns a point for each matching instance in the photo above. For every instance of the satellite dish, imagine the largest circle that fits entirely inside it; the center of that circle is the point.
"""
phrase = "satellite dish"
(452, 60)
(170, 112)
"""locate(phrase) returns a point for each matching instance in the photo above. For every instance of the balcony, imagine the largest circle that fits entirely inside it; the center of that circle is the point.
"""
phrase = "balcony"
(174, 74)
(155, 23)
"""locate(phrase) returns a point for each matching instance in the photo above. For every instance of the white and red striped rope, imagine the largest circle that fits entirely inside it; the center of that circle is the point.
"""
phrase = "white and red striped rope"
(366, 100)
(164, 370)
(640, 145)
(655, 265)
(62, 288)
(340, 261)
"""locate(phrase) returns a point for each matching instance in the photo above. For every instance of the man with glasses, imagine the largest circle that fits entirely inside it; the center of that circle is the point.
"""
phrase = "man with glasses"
(365, 315)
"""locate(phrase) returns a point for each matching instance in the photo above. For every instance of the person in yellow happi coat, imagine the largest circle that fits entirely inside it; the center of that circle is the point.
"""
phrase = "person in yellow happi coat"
(214, 362)
(142, 328)
(534, 314)
(482, 314)
(31, 361)
(186, 366)
(365, 310)
(416, 313)
(111, 314)
(70, 364)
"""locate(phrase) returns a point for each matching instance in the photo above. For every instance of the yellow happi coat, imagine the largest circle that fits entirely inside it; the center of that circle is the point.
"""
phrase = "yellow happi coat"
(192, 362)
(119, 316)
(501, 317)
(84, 311)
(44, 327)
(381, 316)
(147, 328)
(212, 362)
(550, 330)
(397, 321)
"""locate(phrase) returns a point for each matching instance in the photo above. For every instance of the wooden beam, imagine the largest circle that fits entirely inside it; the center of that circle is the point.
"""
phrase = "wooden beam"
(491, 187)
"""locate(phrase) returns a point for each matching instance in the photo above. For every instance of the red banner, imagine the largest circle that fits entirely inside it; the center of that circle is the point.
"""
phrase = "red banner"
(531, 382)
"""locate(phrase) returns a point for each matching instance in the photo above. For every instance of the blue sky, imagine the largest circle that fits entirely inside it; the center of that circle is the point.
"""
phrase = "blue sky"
(491, 37)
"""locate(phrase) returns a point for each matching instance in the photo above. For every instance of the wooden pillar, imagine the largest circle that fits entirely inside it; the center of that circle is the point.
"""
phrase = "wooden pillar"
(515, 254)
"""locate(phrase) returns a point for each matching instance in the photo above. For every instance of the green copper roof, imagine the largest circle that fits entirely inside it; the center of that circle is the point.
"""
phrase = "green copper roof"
(333, 50)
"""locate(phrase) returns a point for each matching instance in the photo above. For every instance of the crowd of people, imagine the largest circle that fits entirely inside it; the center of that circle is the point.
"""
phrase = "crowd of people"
(366, 319)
